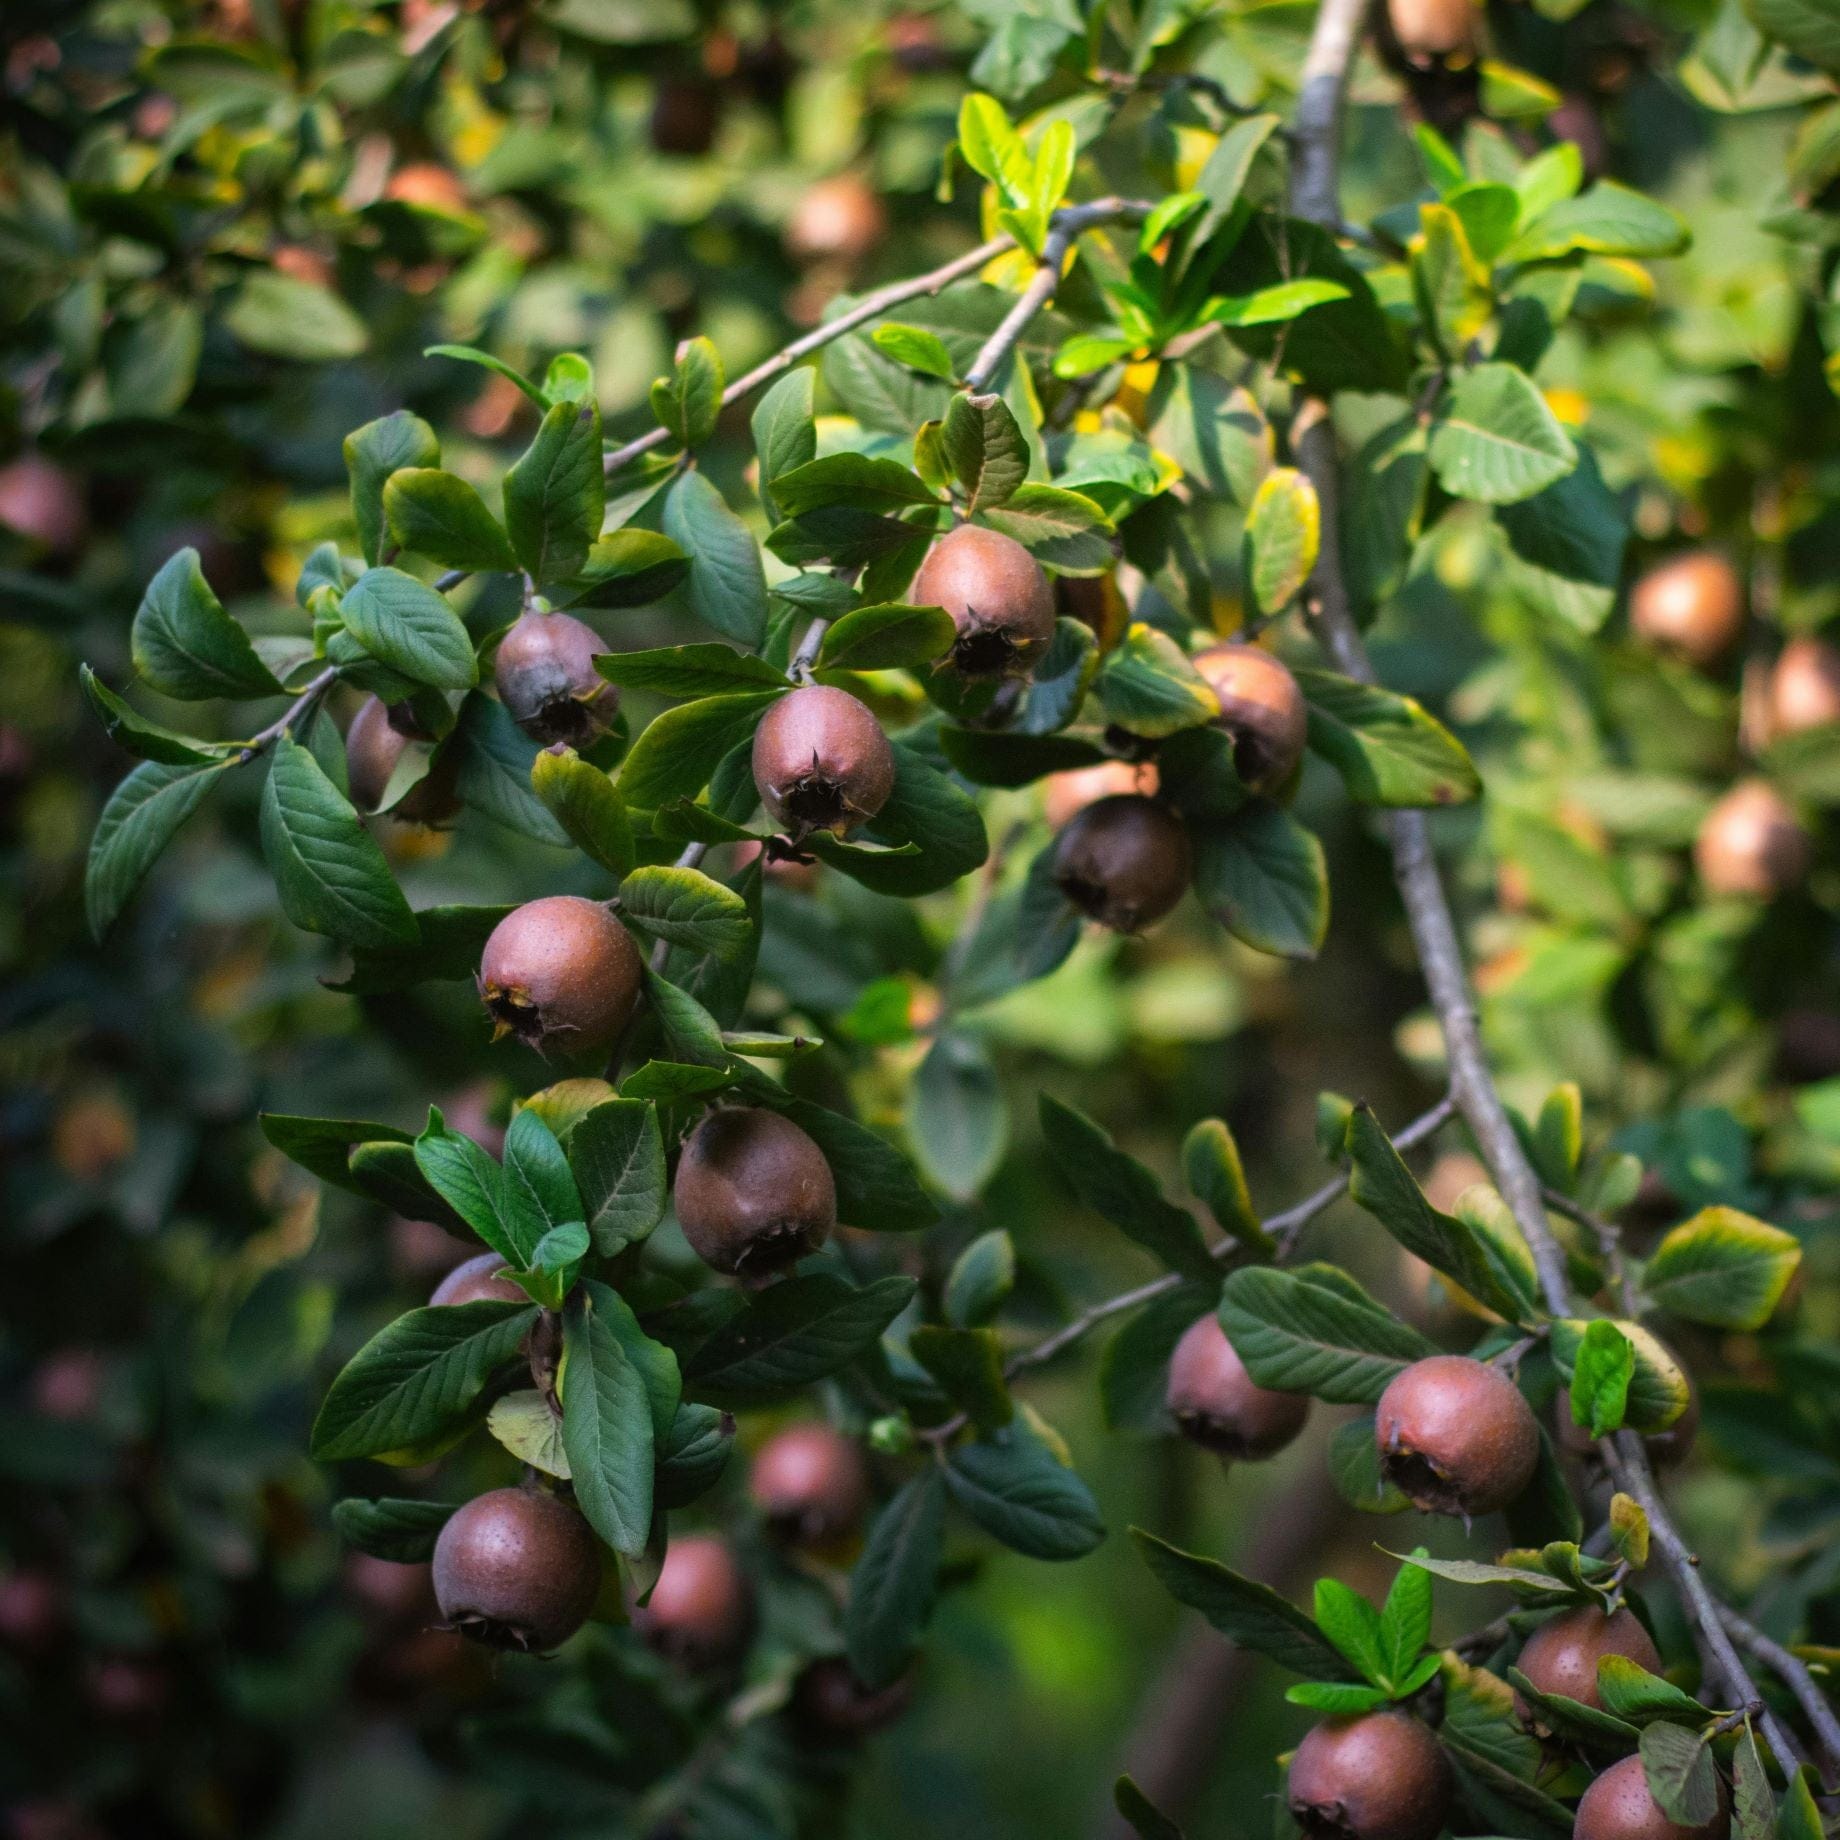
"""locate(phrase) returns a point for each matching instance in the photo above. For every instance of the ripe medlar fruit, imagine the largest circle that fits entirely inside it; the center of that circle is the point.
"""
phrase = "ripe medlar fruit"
(828, 1701)
(701, 1610)
(1751, 845)
(31, 1610)
(1804, 689)
(837, 220)
(821, 762)
(998, 598)
(1618, 1806)
(546, 678)
(562, 975)
(429, 185)
(1216, 1402)
(1065, 795)
(753, 1193)
(1428, 31)
(43, 503)
(1124, 862)
(1692, 605)
(373, 746)
(1261, 708)
(478, 1280)
(1561, 1656)
(1455, 1436)
(1382, 1776)
(517, 1569)
(811, 1483)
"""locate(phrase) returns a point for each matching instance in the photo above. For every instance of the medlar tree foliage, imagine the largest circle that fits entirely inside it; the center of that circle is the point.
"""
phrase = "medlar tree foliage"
(981, 545)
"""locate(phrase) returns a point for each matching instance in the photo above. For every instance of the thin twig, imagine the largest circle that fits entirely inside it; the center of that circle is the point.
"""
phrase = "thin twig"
(807, 654)
(301, 705)
(1794, 1674)
(1609, 1239)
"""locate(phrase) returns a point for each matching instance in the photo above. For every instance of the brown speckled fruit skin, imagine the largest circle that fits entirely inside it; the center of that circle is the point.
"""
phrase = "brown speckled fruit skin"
(701, 1610)
(1805, 687)
(822, 762)
(1561, 1656)
(546, 679)
(1618, 1806)
(753, 1193)
(1124, 861)
(1456, 1436)
(829, 1702)
(811, 1483)
(373, 746)
(1432, 29)
(998, 598)
(1215, 1402)
(1261, 708)
(1381, 1776)
(840, 219)
(517, 1569)
(478, 1280)
(1751, 845)
(1692, 605)
(562, 975)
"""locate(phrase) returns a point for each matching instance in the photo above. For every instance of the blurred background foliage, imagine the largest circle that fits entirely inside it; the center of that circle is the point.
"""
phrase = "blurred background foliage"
(228, 232)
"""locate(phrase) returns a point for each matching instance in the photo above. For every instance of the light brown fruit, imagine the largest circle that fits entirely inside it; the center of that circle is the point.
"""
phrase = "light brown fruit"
(1064, 795)
(544, 670)
(1692, 605)
(837, 220)
(1215, 1401)
(821, 762)
(1124, 862)
(429, 185)
(1618, 1806)
(1430, 31)
(1381, 1776)
(1261, 708)
(478, 1280)
(1561, 1657)
(1751, 844)
(43, 503)
(1804, 688)
(373, 746)
(562, 975)
(811, 1483)
(753, 1193)
(701, 1610)
(517, 1569)
(997, 595)
(1455, 1436)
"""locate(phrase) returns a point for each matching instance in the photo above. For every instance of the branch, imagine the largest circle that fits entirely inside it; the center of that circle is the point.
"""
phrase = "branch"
(301, 705)
(1794, 1674)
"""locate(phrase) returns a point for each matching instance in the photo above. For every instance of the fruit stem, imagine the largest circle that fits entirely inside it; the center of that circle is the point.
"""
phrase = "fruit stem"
(806, 655)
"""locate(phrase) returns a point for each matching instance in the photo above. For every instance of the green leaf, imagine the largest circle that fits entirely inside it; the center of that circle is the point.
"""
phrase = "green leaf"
(985, 448)
(323, 1146)
(151, 360)
(1601, 1372)
(587, 804)
(1019, 1493)
(693, 1455)
(728, 586)
(538, 1188)
(560, 1248)
(134, 734)
(1799, 1818)
(1296, 1336)
(556, 494)
(1631, 1692)
(893, 1584)
(384, 1170)
(141, 818)
(688, 908)
(957, 1120)
(1353, 1625)
(1658, 1389)
(616, 1151)
(185, 645)
(1574, 1720)
(392, 1527)
(1121, 1189)
(1141, 1814)
(689, 400)
(1607, 220)
(691, 670)
(1386, 748)
(438, 515)
(1678, 1768)
(850, 479)
(1724, 1268)
(1148, 686)
(415, 1378)
(494, 761)
(876, 1185)
(886, 637)
(678, 751)
(606, 1428)
(1283, 534)
(328, 870)
(1211, 1166)
(1214, 428)
(1567, 545)
(1494, 439)
(926, 810)
(1354, 1466)
(408, 626)
(628, 568)
(690, 1033)
(524, 1423)
(1405, 1623)
(917, 348)
(1753, 1810)
(982, 1276)
(1264, 878)
(1335, 1698)
(469, 354)
(471, 1183)
(1064, 529)
(372, 454)
(785, 436)
(1282, 302)
(285, 317)
(968, 1366)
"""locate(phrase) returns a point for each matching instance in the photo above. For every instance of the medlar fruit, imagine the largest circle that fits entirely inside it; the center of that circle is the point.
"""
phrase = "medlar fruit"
(701, 1610)
(686, 112)
(429, 185)
(32, 1607)
(1751, 845)
(1804, 689)
(837, 220)
(1455, 1436)
(998, 598)
(478, 1280)
(1428, 31)
(828, 1701)
(1381, 1776)
(753, 1193)
(811, 1483)
(1561, 1656)
(43, 503)
(821, 762)
(1065, 795)
(562, 975)
(1692, 605)
(516, 1569)
(1215, 1401)
(1618, 1806)
(1124, 862)
(546, 678)
(1261, 708)
(373, 746)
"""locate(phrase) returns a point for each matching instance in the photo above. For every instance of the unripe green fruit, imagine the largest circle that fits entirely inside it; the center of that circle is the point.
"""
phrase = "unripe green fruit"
(1751, 845)
(1382, 1776)
(562, 975)
(829, 1702)
(1216, 1402)
(998, 598)
(544, 670)
(517, 1569)
(821, 762)
(1455, 1436)
(478, 1280)
(811, 1483)
(1618, 1806)
(1123, 861)
(1561, 1657)
(1261, 708)
(753, 1193)
(1692, 605)
(701, 1610)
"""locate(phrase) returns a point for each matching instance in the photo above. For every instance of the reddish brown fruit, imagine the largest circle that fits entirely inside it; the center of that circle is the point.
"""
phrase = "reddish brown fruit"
(837, 220)
(1804, 687)
(1692, 605)
(478, 1280)
(753, 1193)
(516, 1569)
(701, 1610)
(429, 185)
(1215, 1401)
(821, 762)
(562, 975)
(1261, 708)
(546, 678)
(1455, 1436)
(373, 746)
(31, 1610)
(67, 1385)
(399, 1594)
(811, 1483)
(1381, 1776)
(829, 1702)
(1065, 795)
(1124, 862)
(1430, 31)
(1751, 845)
(1561, 1657)
(1618, 1806)
(686, 112)
(998, 598)
(43, 504)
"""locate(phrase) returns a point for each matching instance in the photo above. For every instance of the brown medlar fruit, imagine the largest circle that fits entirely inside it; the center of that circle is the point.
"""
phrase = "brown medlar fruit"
(517, 1569)
(478, 1280)
(429, 185)
(1261, 708)
(821, 762)
(1561, 1657)
(562, 975)
(998, 598)
(373, 746)
(1429, 31)
(546, 678)
(1215, 1401)
(1381, 1776)
(1751, 845)
(31, 1610)
(43, 503)
(1455, 1436)
(1618, 1806)
(1064, 795)
(828, 1701)
(1124, 862)
(1804, 690)
(811, 1483)
(753, 1193)
(1692, 605)
(837, 220)
(701, 1610)
(686, 112)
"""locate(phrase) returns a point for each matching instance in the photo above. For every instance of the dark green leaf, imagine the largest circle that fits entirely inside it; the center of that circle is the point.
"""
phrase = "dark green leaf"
(440, 516)
(372, 454)
(406, 625)
(1296, 1336)
(606, 1429)
(688, 908)
(885, 637)
(895, 1581)
(587, 804)
(691, 670)
(1678, 1766)
(1019, 1493)
(185, 645)
(1264, 878)
(141, 818)
(968, 1366)
(556, 494)
(627, 568)
(392, 1528)
(1386, 748)
(985, 449)
(727, 586)
(1142, 1815)
(689, 400)
(617, 1154)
